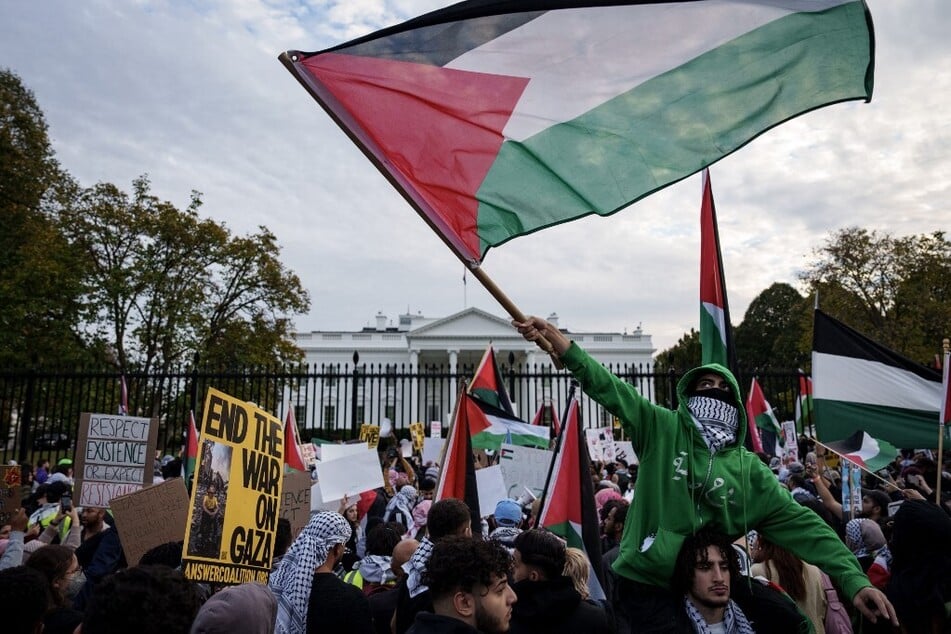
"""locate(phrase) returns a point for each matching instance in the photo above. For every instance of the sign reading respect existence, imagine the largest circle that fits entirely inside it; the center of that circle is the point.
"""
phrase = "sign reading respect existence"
(236, 495)
(115, 456)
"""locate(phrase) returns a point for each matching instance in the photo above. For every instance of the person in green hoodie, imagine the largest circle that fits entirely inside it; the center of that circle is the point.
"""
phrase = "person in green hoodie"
(695, 473)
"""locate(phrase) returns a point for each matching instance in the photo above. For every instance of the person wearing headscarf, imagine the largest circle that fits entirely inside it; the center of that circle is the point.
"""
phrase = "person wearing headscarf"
(400, 507)
(310, 597)
(865, 539)
(249, 607)
(420, 517)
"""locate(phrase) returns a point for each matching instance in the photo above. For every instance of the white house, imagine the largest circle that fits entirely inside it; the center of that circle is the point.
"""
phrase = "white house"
(418, 347)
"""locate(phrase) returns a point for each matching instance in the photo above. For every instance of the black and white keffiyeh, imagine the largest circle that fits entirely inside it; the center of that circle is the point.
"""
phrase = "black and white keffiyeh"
(400, 507)
(294, 577)
(715, 420)
(734, 621)
(416, 566)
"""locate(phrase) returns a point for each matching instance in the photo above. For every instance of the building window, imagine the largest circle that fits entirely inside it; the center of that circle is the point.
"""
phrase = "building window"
(300, 415)
(361, 418)
(330, 415)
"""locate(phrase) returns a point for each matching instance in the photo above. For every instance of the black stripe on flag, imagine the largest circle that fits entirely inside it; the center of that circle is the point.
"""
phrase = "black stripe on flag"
(832, 337)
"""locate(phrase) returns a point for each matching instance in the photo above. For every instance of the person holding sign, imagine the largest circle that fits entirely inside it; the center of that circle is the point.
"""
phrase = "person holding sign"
(694, 473)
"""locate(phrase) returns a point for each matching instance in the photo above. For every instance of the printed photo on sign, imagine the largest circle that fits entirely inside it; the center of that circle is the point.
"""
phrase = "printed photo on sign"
(211, 481)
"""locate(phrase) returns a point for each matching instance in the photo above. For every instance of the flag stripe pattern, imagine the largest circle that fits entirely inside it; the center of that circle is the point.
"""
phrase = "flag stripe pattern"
(457, 469)
(760, 411)
(871, 453)
(487, 384)
(466, 111)
(714, 313)
(292, 453)
(490, 427)
(569, 509)
(860, 384)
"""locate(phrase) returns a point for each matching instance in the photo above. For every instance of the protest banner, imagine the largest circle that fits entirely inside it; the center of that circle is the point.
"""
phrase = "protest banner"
(370, 434)
(137, 517)
(9, 492)
(295, 500)
(350, 476)
(435, 429)
(491, 488)
(624, 450)
(114, 456)
(309, 453)
(432, 449)
(232, 515)
(524, 468)
(600, 444)
(791, 450)
(417, 432)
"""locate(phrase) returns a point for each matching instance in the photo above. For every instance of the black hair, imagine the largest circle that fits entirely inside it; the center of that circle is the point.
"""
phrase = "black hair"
(694, 550)
(22, 599)
(610, 504)
(880, 498)
(172, 469)
(144, 600)
(427, 484)
(446, 517)
(796, 480)
(620, 515)
(167, 554)
(383, 538)
(282, 537)
(53, 562)
(460, 563)
(543, 550)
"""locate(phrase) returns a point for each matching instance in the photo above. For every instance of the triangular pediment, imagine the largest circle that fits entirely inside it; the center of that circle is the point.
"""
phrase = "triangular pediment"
(471, 323)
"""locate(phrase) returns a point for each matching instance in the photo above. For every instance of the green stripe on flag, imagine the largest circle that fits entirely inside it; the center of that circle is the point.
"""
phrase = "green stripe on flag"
(630, 147)
(840, 419)
(567, 532)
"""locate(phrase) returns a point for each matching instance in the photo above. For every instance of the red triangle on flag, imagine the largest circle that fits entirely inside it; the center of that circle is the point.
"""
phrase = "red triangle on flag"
(292, 454)
(457, 471)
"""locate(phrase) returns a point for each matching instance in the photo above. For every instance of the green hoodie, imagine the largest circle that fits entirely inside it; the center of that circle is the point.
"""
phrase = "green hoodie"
(682, 487)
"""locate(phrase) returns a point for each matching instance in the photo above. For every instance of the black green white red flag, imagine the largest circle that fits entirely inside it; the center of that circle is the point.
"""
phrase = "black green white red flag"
(497, 119)
(487, 384)
(859, 384)
(548, 416)
(804, 403)
(568, 507)
(457, 468)
(873, 454)
(191, 449)
(716, 338)
(760, 413)
(292, 453)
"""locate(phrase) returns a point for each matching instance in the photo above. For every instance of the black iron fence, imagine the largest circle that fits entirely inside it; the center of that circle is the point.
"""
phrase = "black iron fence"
(39, 410)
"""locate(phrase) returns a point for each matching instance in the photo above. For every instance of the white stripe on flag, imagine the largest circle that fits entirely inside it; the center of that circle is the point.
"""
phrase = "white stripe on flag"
(838, 378)
(716, 313)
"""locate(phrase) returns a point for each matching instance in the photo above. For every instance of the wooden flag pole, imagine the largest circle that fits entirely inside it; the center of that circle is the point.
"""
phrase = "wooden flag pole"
(871, 473)
(513, 311)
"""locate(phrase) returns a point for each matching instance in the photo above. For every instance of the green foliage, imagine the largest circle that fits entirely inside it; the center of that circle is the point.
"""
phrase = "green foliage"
(772, 329)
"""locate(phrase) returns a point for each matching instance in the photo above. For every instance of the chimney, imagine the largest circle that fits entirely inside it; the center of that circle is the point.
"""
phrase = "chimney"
(553, 319)
(380, 321)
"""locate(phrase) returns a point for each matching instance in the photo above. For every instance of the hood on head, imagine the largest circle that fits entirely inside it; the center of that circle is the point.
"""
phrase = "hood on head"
(683, 386)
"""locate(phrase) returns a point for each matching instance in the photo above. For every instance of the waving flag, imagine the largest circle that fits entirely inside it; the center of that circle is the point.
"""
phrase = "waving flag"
(490, 427)
(547, 408)
(860, 384)
(191, 449)
(568, 509)
(716, 339)
(870, 453)
(498, 119)
(292, 453)
(760, 413)
(804, 403)
(487, 384)
(457, 470)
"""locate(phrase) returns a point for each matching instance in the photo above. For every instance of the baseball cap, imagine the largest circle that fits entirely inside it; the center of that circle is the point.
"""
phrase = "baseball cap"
(508, 513)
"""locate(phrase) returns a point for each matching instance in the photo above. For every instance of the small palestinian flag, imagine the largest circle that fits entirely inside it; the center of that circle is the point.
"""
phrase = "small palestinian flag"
(191, 449)
(490, 427)
(292, 453)
(547, 409)
(457, 468)
(487, 384)
(869, 453)
(760, 412)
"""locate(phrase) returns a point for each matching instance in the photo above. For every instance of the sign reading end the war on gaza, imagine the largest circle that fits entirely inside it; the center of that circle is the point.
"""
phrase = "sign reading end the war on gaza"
(236, 493)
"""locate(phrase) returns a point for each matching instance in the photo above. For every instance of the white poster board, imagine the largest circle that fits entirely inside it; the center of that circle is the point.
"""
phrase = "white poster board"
(350, 475)
(330, 452)
(432, 449)
(524, 468)
(600, 443)
(791, 450)
(624, 449)
(491, 489)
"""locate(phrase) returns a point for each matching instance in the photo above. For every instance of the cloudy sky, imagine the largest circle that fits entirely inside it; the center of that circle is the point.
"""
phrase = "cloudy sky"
(192, 93)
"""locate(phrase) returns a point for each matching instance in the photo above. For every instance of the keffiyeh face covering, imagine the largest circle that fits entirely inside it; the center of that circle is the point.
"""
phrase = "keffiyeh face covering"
(292, 581)
(715, 420)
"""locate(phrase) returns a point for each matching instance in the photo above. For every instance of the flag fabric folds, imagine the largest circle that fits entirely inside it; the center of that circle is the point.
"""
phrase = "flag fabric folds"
(498, 119)
(870, 453)
(548, 408)
(191, 449)
(760, 413)
(490, 427)
(860, 384)
(487, 384)
(716, 337)
(457, 469)
(568, 508)
(803, 414)
(292, 453)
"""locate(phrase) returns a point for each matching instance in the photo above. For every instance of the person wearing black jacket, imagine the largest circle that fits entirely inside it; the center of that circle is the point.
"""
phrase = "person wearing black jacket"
(547, 600)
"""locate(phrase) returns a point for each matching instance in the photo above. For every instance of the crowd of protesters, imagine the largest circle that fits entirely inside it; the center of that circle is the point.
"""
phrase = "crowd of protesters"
(394, 560)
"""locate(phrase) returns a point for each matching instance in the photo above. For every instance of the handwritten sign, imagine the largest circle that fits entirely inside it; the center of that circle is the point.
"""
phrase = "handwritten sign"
(435, 429)
(115, 456)
(232, 515)
(600, 444)
(524, 468)
(295, 500)
(136, 515)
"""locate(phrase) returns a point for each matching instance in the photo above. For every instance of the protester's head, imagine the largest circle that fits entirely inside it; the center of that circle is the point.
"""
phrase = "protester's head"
(427, 487)
(56, 490)
(875, 504)
(449, 517)
(60, 568)
(613, 516)
(539, 556)
(864, 537)
(795, 481)
(787, 565)
(401, 554)
(705, 564)
(508, 513)
(172, 468)
(167, 554)
(22, 600)
(249, 607)
(712, 399)
(144, 600)
(712, 385)
(383, 538)
(577, 568)
(468, 580)
(92, 517)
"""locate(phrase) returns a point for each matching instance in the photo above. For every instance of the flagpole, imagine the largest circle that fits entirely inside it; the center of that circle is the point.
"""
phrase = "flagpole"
(513, 310)
(551, 465)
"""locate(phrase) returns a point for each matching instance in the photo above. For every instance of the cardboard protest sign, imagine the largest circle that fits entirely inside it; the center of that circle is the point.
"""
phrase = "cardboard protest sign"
(115, 456)
(236, 495)
(791, 450)
(417, 432)
(370, 434)
(491, 489)
(600, 444)
(349, 476)
(295, 500)
(309, 453)
(151, 517)
(9, 492)
(524, 468)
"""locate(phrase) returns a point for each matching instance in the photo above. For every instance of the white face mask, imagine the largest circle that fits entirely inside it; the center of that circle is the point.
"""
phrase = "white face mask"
(74, 585)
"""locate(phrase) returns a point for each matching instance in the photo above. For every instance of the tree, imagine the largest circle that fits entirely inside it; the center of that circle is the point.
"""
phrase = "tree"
(894, 290)
(38, 274)
(674, 361)
(162, 284)
(772, 329)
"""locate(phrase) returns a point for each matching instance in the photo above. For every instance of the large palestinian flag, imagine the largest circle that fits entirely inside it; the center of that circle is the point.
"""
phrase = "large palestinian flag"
(859, 384)
(568, 507)
(497, 119)
(490, 427)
